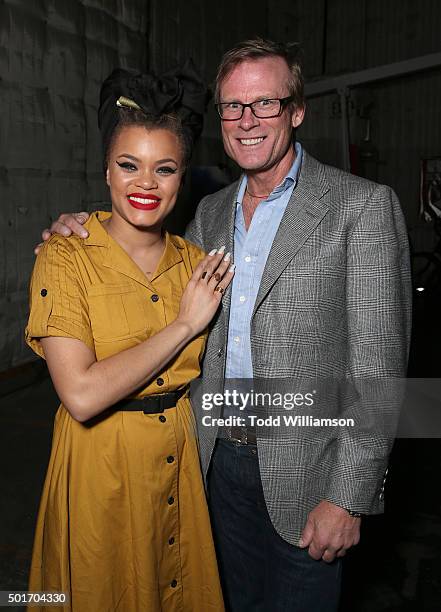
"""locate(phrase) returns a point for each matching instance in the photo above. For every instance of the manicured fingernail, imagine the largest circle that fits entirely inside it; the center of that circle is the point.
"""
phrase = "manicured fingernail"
(221, 250)
(227, 257)
(232, 268)
(213, 252)
(84, 234)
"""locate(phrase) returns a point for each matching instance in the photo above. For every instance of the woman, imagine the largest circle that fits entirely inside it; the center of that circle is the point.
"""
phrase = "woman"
(120, 320)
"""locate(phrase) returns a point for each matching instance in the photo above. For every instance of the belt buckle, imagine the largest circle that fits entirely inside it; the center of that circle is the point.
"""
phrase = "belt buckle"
(156, 408)
(242, 441)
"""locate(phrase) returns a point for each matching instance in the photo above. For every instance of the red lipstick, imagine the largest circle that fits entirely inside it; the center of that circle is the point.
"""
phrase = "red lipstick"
(149, 201)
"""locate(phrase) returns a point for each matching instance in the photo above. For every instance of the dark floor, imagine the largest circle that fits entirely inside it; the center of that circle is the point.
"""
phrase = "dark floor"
(26, 418)
(396, 568)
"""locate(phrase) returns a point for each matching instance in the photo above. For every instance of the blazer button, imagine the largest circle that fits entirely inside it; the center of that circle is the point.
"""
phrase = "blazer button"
(170, 459)
(43, 292)
(171, 541)
(154, 297)
(159, 381)
(173, 583)
(170, 500)
(162, 418)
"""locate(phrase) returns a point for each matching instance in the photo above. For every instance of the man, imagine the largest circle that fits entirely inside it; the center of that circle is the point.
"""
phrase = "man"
(321, 289)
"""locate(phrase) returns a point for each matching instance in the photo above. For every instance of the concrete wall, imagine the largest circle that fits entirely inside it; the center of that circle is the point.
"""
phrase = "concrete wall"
(338, 36)
(54, 55)
(349, 36)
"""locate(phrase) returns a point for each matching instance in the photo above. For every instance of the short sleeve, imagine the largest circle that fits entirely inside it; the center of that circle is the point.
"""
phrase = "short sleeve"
(57, 300)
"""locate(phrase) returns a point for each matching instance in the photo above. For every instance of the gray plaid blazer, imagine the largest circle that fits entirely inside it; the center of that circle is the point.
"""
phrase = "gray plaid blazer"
(334, 301)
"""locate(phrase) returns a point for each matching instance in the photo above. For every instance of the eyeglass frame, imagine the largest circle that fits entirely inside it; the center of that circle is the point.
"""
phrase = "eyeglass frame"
(283, 103)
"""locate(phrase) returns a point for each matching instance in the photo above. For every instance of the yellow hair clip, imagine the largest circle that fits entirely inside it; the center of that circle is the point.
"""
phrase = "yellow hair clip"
(127, 102)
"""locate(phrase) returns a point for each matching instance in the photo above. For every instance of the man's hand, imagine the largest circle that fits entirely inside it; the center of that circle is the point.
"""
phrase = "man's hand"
(65, 225)
(329, 532)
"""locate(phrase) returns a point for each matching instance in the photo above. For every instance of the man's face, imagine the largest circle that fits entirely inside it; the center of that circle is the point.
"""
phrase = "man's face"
(253, 143)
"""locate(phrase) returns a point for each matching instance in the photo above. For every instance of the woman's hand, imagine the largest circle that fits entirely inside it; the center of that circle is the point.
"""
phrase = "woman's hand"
(204, 291)
(92, 386)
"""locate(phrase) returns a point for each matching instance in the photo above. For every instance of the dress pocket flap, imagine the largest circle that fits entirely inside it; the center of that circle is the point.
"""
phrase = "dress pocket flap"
(109, 289)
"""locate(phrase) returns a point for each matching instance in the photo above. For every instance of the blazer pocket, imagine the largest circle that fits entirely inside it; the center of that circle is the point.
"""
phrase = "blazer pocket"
(115, 311)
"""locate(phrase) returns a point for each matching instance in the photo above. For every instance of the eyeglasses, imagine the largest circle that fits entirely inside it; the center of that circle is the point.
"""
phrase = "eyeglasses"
(263, 109)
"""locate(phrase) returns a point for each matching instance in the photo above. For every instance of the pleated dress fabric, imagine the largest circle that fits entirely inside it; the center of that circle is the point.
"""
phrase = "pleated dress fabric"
(123, 522)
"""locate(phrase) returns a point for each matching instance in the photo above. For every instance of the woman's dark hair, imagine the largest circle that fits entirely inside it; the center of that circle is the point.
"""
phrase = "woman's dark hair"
(174, 101)
(128, 117)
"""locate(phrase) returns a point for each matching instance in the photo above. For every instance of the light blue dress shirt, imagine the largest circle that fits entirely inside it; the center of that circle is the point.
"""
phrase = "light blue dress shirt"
(251, 250)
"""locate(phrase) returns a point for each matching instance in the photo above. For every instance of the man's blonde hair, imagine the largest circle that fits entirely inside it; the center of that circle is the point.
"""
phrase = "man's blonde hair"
(259, 48)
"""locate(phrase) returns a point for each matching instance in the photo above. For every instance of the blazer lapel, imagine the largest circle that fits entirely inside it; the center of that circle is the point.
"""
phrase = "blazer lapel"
(306, 208)
(222, 232)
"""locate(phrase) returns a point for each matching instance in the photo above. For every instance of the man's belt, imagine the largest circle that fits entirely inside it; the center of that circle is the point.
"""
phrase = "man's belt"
(151, 404)
(239, 435)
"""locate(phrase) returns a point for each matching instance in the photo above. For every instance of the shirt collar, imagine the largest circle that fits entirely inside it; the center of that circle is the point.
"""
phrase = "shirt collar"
(118, 259)
(98, 236)
(289, 180)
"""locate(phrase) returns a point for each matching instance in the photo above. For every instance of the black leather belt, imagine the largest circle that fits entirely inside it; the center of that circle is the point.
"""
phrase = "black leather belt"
(151, 404)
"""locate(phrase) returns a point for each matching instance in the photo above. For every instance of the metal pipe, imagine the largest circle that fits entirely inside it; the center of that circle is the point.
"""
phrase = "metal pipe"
(378, 73)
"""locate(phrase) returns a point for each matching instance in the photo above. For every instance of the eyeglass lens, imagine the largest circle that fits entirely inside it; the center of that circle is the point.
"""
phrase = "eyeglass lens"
(260, 108)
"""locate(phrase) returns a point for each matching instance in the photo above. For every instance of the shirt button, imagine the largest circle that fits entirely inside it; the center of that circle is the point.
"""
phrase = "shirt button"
(162, 418)
(248, 259)
(242, 298)
(220, 352)
(236, 339)
(159, 381)
(170, 500)
(171, 541)
(154, 297)
(43, 292)
(173, 583)
(170, 459)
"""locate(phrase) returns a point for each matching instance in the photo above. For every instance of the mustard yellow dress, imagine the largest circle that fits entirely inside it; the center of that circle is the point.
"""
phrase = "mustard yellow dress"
(123, 522)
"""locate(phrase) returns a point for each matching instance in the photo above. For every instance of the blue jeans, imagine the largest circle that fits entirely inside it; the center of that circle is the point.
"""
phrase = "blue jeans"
(260, 571)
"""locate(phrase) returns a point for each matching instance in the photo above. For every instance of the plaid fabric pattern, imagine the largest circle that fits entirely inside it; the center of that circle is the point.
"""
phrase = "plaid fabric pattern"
(334, 301)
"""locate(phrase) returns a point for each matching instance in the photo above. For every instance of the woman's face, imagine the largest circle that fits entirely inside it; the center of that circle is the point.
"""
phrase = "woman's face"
(144, 175)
